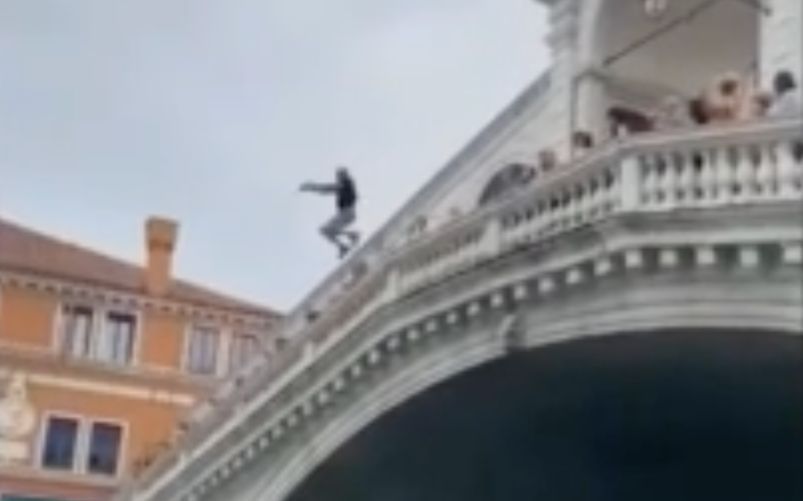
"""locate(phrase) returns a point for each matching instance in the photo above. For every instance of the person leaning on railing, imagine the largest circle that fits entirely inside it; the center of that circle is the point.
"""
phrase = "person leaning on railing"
(697, 111)
(725, 99)
(582, 143)
(786, 98)
(624, 121)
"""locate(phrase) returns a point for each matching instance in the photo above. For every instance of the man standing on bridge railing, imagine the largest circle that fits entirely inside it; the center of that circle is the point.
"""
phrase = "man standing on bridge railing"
(345, 193)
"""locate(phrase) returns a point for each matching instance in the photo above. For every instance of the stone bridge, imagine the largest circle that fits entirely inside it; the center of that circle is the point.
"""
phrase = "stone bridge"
(693, 231)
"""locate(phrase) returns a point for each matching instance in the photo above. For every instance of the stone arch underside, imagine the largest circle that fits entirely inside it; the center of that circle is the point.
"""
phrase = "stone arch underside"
(464, 351)
(677, 414)
(693, 41)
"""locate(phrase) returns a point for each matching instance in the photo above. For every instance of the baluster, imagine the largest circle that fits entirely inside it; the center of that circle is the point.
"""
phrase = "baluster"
(684, 163)
(529, 233)
(596, 199)
(562, 216)
(575, 207)
(615, 191)
(576, 203)
(562, 212)
(671, 180)
(751, 160)
(661, 180)
(789, 169)
(582, 204)
(696, 166)
(548, 216)
(765, 170)
(521, 230)
(558, 210)
(743, 173)
(724, 173)
(707, 180)
(508, 234)
(541, 218)
(645, 190)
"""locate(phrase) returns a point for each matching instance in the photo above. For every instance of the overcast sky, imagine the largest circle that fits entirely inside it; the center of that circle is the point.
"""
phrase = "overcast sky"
(212, 112)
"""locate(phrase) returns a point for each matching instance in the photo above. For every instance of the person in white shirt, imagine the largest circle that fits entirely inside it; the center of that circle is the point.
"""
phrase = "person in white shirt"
(786, 99)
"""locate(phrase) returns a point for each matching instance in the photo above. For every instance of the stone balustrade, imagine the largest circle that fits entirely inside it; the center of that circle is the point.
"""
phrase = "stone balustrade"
(758, 162)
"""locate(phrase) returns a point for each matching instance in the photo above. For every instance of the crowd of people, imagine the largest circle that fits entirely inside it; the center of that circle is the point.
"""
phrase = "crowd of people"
(730, 99)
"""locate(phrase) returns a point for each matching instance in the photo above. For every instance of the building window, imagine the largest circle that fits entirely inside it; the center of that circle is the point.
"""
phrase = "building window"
(116, 342)
(61, 439)
(83, 337)
(244, 347)
(203, 350)
(77, 331)
(104, 448)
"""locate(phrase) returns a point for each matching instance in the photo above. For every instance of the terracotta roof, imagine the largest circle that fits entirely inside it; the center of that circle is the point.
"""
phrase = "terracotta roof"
(27, 251)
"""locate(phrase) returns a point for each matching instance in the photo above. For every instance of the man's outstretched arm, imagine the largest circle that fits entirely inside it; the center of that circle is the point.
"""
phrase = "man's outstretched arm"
(322, 188)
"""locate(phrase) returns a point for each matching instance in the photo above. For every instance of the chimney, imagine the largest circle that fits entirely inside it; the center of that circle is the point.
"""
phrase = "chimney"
(160, 240)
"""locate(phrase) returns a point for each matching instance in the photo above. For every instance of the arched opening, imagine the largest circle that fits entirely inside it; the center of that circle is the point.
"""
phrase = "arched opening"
(635, 59)
(508, 180)
(662, 416)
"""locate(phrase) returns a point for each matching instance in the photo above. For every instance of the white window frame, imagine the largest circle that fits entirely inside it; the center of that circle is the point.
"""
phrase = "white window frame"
(122, 452)
(220, 355)
(82, 441)
(99, 321)
(42, 439)
(137, 333)
(60, 342)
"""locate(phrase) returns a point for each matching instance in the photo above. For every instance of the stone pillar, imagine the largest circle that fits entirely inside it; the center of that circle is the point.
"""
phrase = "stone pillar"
(590, 107)
(781, 39)
(562, 40)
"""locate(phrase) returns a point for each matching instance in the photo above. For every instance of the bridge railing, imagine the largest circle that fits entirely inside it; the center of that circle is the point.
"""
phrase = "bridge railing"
(707, 167)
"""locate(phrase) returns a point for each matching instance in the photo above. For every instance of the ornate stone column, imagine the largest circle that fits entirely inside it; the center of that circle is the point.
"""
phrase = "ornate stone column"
(781, 39)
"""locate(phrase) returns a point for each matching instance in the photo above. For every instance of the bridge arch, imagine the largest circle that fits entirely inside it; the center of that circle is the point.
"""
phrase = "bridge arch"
(640, 254)
(553, 422)
(648, 311)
